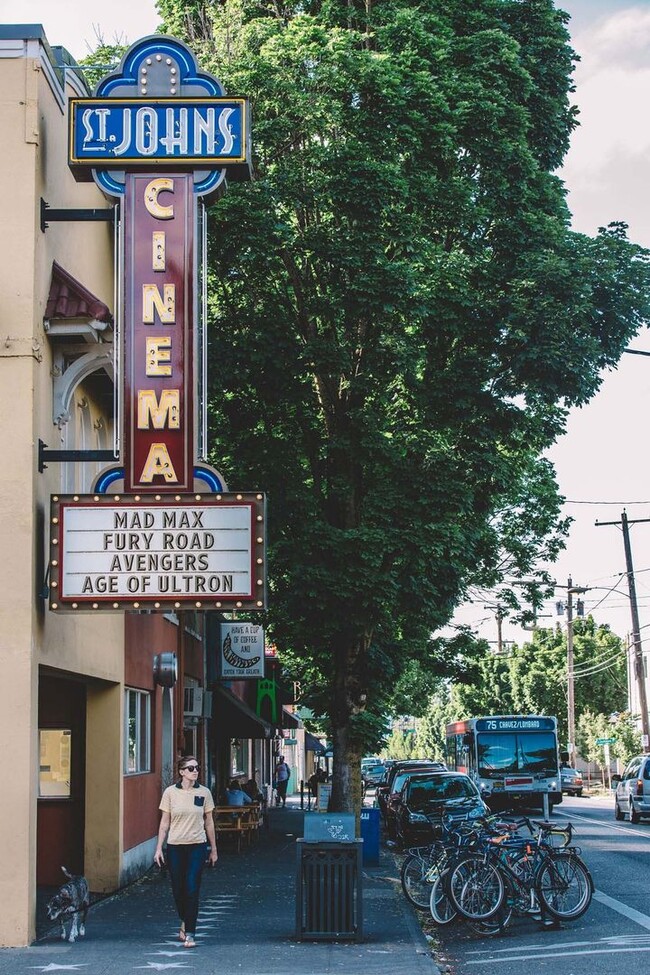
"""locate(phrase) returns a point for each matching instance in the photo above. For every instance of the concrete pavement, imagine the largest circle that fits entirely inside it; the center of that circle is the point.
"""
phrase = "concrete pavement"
(246, 923)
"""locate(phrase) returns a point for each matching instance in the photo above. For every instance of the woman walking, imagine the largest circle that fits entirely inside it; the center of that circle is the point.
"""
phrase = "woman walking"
(187, 818)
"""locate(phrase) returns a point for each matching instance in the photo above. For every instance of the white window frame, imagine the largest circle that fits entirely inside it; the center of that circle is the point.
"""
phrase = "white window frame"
(142, 731)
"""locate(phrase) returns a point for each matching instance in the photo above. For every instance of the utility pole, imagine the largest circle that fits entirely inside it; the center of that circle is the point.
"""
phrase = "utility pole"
(636, 629)
(571, 704)
(570, 663)
(636, 635)
(571, 709)
(499, 613)
(499, 630)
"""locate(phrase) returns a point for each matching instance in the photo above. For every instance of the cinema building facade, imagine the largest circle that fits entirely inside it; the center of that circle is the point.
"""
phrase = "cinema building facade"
(95, 707)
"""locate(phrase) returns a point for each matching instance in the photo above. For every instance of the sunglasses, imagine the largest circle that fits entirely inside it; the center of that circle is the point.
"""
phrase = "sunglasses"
(190, 768)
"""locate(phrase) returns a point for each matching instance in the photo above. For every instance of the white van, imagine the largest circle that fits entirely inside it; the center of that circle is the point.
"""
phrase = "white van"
(632, 795)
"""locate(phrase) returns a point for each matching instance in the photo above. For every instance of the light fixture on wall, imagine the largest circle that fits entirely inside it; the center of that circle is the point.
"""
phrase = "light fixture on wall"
(165, 669)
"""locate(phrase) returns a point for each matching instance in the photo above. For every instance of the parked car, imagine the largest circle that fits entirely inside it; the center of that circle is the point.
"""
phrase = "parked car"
(571, 780)
(394, 796)
(632, 795)
(372, 774)
(424, 800)
(384, 787)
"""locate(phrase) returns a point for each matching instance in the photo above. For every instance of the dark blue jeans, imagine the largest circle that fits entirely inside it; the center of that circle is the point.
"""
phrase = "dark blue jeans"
(185, 869)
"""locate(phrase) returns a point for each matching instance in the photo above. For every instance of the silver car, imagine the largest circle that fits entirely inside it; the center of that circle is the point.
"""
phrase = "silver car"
(632, 795)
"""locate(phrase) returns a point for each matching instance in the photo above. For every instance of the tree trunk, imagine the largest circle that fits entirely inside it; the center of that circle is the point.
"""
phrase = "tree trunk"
(348, 700)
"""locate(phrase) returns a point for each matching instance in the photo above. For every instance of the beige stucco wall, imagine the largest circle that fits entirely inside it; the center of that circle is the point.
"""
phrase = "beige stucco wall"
(103, 837)
(33, 164)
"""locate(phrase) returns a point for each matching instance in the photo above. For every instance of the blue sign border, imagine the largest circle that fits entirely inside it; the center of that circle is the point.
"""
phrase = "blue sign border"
(159, 44)
(209, 174)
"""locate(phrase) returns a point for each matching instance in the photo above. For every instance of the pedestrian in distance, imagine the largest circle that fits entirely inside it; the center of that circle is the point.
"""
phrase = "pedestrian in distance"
(282, 773)
(187, 825)
(320, 775)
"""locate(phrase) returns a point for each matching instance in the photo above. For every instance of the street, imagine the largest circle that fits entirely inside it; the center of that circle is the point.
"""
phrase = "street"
(616, 924)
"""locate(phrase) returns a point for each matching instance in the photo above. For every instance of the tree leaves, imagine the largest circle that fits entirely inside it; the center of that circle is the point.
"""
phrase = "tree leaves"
(400, 318)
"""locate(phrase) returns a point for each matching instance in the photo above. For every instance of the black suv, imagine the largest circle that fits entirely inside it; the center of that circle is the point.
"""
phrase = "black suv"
(425, 797)
(385, 787)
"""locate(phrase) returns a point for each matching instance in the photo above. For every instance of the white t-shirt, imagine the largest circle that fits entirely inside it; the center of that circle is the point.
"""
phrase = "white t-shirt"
(187, 807)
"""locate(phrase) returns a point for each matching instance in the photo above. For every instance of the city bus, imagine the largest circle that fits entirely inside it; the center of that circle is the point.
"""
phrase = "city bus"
(513, 759)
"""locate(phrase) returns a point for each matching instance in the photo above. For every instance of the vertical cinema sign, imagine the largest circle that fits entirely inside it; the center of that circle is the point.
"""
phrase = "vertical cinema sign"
(160, 135)
(158, 444)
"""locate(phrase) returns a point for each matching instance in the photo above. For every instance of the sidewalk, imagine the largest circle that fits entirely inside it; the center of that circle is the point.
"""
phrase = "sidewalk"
(246, 923)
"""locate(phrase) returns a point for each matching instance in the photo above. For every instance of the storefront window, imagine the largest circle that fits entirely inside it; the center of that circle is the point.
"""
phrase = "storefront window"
(137, 737)
(239, 756)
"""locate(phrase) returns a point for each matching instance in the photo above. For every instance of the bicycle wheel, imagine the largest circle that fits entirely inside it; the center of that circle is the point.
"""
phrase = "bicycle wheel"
(476, 888)
(496, 925)
(442, 910)
(564, 886)
(417, 875)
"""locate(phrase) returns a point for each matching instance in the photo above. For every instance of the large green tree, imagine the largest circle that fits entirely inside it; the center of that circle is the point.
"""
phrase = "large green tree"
(400, 319)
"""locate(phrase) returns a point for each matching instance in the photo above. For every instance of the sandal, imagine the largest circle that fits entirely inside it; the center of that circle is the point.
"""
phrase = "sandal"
(181, 933)
(189, 941)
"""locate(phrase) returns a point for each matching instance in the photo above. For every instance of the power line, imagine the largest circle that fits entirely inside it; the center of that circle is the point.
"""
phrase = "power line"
(602, 665)
(592, 673)
(608, 593)
(619, 503)
(606, 653)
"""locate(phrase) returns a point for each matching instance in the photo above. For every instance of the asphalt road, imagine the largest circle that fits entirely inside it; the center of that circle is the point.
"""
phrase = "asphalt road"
(613, 935)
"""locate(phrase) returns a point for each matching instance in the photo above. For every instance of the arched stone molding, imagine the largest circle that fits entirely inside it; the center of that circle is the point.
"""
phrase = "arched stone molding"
(65, 384)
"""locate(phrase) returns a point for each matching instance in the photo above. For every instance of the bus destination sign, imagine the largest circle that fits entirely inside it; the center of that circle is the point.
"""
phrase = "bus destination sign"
(515, 724)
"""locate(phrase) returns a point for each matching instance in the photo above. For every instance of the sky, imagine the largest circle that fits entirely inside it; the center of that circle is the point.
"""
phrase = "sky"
(603, 461)
(77, 24)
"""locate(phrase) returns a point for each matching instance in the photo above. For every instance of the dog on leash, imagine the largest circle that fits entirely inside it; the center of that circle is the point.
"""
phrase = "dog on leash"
(71, 901)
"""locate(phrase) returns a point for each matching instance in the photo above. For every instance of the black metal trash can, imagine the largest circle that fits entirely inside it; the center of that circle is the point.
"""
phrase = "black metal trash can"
(329, 903)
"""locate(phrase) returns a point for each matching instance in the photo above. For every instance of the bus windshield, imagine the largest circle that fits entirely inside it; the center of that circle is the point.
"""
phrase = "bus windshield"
(505, 754)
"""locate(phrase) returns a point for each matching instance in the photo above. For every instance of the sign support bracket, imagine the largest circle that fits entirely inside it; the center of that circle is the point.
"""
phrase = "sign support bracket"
(51, 215)
(46, 456)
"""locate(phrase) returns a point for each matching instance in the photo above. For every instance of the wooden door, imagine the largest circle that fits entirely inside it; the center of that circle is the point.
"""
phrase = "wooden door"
(62, 779)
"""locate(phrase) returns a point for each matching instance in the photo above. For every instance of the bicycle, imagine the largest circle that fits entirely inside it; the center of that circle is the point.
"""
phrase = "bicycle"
(418, 871)
(423, 864)
(463, 833)
(531, 875)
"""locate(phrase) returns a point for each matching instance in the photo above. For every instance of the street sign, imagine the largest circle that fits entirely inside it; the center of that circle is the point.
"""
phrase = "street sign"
(605, 741)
